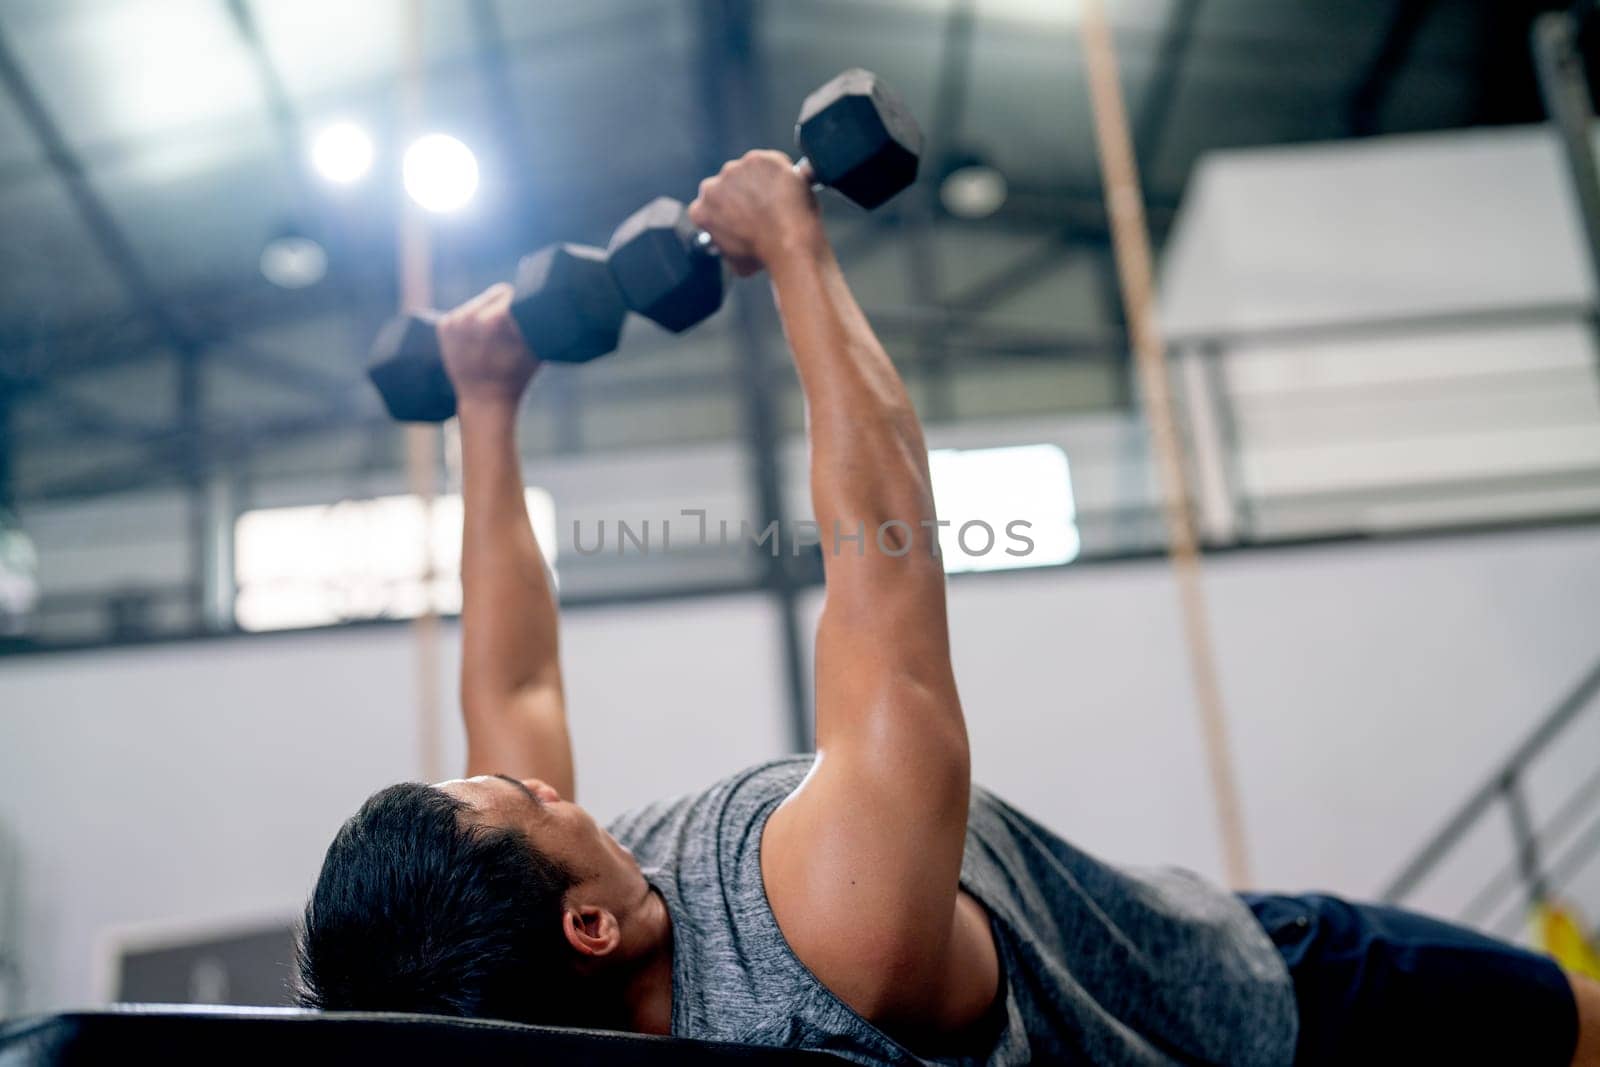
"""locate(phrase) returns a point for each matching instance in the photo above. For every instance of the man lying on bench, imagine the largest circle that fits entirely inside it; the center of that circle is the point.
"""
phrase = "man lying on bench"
(867, 900)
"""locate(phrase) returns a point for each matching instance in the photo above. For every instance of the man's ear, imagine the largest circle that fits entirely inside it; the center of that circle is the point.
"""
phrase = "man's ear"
(591, 931)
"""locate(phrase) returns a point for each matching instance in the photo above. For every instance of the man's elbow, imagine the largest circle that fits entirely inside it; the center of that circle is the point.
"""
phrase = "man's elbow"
(919, 734)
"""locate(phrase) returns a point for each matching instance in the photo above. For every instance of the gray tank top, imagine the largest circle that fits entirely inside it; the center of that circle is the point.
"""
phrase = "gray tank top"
(1100, 964)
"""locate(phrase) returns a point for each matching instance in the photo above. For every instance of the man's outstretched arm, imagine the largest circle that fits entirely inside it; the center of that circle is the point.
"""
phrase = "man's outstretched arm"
(862, 863)
(511, 691)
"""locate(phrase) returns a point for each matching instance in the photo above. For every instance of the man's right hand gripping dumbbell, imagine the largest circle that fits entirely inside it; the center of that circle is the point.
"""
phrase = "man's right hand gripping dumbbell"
(855, 136)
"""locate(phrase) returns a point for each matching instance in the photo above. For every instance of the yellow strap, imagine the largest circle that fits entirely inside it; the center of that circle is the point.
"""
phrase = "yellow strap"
(1559, 932)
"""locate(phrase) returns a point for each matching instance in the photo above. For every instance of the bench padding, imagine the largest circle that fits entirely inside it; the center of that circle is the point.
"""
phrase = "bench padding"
(155, 1033)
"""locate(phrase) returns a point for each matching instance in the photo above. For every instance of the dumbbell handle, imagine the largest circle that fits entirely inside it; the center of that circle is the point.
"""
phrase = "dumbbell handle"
(703, 241)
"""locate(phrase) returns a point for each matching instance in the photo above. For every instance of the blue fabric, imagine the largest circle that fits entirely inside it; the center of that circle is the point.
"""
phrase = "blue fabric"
(1379, 985)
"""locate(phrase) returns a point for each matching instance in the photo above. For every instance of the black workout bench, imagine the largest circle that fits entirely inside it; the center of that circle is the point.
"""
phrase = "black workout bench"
(290, 1037)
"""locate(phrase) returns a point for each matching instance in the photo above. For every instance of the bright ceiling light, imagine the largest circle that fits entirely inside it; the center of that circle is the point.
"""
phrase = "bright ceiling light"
(342, 153)
(973, 191)
(293, 261)
(440, 172)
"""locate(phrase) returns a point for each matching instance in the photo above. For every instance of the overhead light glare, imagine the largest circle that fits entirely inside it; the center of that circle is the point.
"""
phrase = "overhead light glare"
(974, 191)
(342, 153)
(293, 261)
(440, 173)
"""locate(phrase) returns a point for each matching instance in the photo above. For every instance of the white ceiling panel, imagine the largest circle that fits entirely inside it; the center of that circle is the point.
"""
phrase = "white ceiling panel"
(321, 48)
(27, 13)
(139, 68)
(190, 227)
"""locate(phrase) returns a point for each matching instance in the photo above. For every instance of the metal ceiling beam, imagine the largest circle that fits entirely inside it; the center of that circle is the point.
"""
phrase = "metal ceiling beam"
(649, 22)
(284, 118)
(505, 117)
(217, 316)
(173, 336)
(1504, 77)
(92, 212)
(955, 77)
(1029, 209)
(920, 210)
(221, 447)
(1564, 85)
(221, 314)
(190, 400)
(510, 126)
(7, 453)
(632, 22)
(268, 367)
(308, 215)
(37, 355)
(962, 328)
(84, 419)
(113, 244)
(95, 350)
(968, 335)
(1021, 274)
(1150, 125)
(973, 344)
(1364, 112)
(733, 97)
(214, 447)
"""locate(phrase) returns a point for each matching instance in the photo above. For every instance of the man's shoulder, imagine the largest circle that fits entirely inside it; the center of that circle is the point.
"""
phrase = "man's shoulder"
(658, 831)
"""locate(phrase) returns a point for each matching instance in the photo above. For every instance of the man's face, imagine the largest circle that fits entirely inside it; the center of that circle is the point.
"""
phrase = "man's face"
(606, 872)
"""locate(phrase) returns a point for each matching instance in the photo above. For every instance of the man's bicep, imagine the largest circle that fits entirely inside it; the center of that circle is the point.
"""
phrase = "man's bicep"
(863, 861)
(862, 880)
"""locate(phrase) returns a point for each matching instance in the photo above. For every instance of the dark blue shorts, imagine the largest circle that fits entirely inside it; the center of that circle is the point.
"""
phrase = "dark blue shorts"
(1380, 985)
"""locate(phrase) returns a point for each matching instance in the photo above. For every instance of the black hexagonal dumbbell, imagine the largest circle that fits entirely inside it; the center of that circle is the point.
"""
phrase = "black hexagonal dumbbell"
(660, 270)
(566, 307)
(854, 136)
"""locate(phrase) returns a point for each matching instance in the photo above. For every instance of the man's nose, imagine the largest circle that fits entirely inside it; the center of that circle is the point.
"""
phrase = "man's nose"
(541, 789)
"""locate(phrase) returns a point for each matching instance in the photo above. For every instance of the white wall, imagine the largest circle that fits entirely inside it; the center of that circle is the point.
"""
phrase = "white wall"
(1370, 687)
(1394, 428)
(1345, 231)
(203, 781)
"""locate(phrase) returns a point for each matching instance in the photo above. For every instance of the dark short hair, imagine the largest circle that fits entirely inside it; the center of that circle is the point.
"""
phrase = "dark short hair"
(418, 909)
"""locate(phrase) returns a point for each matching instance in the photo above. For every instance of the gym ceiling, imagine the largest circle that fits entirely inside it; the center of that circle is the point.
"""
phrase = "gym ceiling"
(149, 150)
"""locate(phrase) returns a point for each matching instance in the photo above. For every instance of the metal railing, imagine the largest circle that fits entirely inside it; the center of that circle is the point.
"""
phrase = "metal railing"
(1546, 855)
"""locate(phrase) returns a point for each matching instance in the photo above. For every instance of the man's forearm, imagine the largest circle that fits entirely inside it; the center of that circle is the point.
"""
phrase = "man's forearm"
(508, 617)
(870, 484)
(869, 463)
